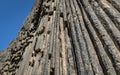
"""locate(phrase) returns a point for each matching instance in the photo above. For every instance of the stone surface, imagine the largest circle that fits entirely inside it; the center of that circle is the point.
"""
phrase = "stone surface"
(66, 37)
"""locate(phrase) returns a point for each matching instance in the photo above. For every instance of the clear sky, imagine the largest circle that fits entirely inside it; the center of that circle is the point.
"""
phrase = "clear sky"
(12, 16)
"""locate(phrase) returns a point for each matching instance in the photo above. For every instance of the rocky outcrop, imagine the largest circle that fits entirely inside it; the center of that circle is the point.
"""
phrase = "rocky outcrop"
(3, 56)
(67, 37)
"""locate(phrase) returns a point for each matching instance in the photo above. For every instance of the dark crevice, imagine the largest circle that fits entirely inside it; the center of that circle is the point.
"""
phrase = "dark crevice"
(49, 56)
(52, 71)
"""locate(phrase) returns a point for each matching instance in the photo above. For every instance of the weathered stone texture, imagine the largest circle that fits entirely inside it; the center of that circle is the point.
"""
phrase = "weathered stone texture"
(67, 37)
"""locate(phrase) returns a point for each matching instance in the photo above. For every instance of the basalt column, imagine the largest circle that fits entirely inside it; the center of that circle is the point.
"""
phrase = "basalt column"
(67, 37)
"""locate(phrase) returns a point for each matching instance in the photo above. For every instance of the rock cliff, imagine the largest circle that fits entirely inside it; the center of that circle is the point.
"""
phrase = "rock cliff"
(66, 37)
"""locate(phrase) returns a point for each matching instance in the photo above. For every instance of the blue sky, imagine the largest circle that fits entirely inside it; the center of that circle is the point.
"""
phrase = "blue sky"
(12, 16)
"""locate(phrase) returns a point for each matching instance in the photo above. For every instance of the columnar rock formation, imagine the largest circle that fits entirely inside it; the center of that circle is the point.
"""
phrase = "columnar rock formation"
(67, 37)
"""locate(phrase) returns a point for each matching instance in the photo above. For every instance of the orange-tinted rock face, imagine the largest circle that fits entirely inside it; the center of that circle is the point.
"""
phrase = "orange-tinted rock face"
(67, 37)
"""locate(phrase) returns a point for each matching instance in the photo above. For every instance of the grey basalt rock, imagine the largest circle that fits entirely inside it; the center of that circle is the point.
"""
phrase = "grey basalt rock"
(66, 37)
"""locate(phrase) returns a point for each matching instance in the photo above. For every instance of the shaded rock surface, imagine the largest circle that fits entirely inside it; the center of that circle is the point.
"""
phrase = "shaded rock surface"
(66, 37)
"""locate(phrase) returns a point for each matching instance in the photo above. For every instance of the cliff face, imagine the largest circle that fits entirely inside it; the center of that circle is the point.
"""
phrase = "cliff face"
(67, 37)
